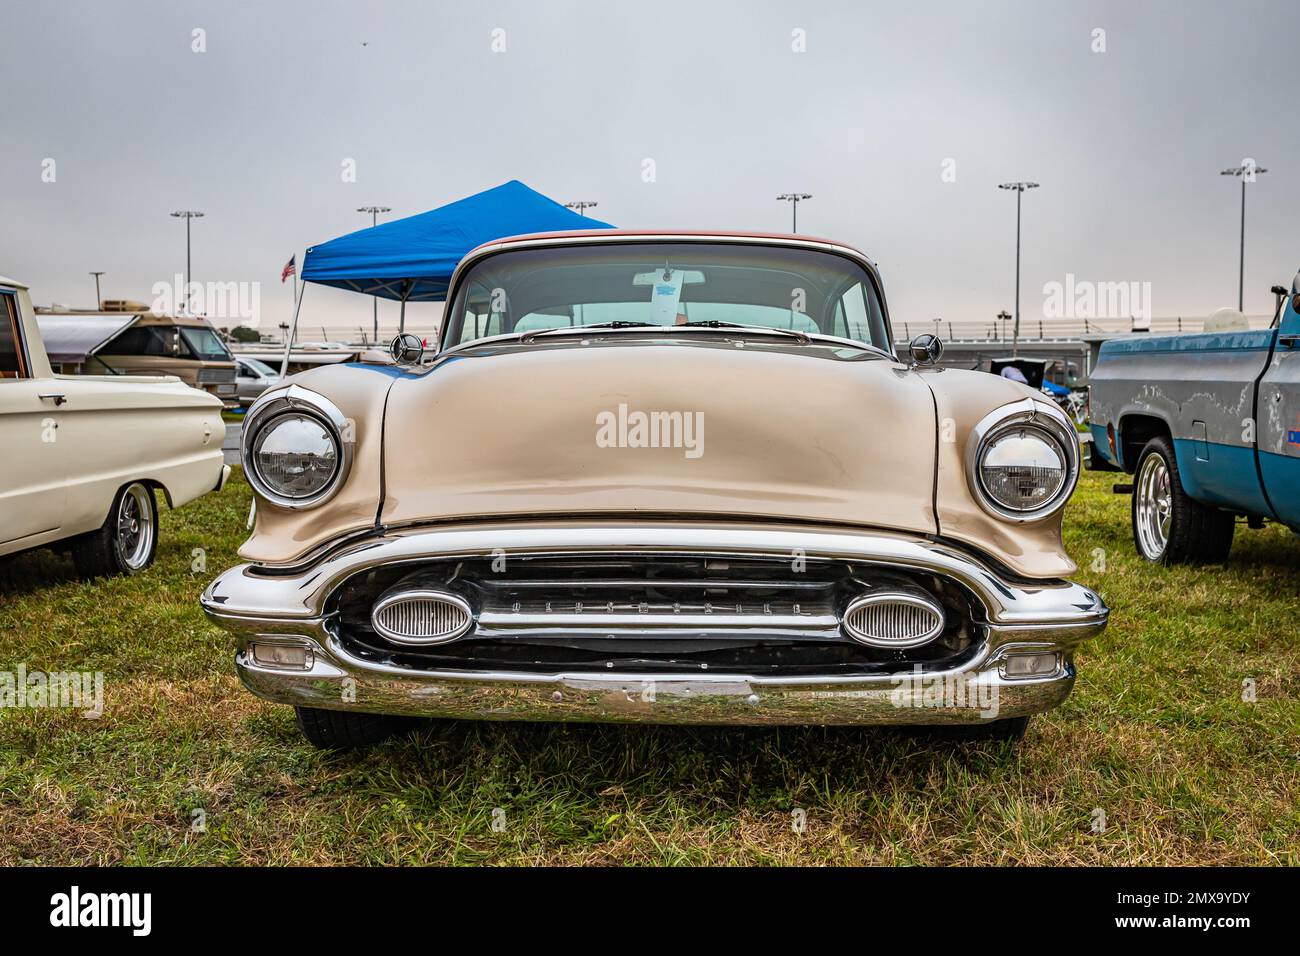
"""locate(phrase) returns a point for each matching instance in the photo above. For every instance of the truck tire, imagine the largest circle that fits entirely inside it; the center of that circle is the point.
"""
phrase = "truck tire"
(127, 541)
(1169, 527)
(346, 730)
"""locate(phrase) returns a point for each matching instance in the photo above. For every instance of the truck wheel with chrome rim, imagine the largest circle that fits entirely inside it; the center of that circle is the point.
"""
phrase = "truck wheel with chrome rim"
(127, 541)
(1169, 527)
(344, 730)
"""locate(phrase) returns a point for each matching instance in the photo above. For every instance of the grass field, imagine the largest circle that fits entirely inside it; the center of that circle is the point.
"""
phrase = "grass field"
(1156, 737)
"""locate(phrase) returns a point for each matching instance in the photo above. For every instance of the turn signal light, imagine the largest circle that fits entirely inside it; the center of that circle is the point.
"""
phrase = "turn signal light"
(283, 656)
(1029, 665)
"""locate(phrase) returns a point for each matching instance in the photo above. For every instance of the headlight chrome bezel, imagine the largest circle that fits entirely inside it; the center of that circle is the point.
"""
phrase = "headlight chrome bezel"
(296, 400)
(1051, 423)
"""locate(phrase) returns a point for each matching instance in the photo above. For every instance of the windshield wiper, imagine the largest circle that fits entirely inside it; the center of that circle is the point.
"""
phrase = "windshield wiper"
(618, 324)
(719, 324)
(803, 337)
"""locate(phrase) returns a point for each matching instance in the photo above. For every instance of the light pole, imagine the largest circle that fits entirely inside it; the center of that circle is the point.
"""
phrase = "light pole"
(1019, 188)
(793, 199)
(1003, 318)
(187, 215)
(374, 221)
(1247, 171)
(99, 303)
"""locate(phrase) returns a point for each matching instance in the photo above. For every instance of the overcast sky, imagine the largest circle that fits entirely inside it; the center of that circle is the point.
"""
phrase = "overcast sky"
(1127, 143)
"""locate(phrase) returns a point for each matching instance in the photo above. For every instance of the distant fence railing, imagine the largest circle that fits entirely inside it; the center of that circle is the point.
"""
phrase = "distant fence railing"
(1047, 329)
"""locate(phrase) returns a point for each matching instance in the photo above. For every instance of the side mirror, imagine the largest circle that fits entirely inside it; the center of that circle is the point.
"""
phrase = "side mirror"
(926, 349)
(406, 349)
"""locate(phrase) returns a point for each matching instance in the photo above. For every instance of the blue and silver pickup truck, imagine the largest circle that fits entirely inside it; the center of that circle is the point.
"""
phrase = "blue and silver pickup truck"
(1209, 425)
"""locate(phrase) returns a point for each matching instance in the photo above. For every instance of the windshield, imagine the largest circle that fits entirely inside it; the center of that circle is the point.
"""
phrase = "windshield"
(667, 284)
(205, 345)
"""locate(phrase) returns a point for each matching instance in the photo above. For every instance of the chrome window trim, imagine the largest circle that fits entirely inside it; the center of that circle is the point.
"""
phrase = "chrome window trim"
(297, 399)
(1039, 415)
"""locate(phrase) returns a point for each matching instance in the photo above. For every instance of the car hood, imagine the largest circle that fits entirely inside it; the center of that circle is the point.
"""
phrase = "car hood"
(744, 428)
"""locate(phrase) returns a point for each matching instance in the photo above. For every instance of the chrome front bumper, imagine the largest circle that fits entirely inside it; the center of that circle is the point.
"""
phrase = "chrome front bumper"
(288, 607)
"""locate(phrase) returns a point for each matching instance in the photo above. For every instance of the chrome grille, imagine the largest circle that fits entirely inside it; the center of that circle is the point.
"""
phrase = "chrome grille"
(656, 611)
(897, 619)
(216, 376)
(421, 617)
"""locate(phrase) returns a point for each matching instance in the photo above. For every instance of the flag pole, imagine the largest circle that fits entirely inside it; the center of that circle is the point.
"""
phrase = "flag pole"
(293, 330)
(401, 318)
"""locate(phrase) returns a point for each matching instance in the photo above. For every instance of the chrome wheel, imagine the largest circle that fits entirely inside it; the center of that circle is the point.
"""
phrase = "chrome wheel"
(1154, 507)
(135, 526)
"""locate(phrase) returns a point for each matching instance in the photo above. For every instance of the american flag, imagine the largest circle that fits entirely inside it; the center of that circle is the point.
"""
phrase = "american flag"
(289, 269)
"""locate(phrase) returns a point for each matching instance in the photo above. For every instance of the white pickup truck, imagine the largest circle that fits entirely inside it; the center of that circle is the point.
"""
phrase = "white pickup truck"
(83, 455)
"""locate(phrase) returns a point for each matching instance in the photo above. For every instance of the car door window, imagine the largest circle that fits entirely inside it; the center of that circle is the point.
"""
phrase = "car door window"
(480, 320)
(12, 360)
(853, 315)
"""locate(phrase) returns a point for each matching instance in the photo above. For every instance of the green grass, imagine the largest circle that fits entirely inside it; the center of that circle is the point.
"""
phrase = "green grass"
(1156, 735)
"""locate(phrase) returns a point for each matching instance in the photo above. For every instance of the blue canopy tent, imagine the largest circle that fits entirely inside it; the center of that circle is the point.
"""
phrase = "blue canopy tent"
(412, 259)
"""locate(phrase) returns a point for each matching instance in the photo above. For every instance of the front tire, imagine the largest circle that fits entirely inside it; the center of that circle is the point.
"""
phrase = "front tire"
(127, 541)
(346, 730)
(1170, 527)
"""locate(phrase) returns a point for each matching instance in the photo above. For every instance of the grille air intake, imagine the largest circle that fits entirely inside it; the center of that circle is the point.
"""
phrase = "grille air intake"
(894, 619)
(421, 617)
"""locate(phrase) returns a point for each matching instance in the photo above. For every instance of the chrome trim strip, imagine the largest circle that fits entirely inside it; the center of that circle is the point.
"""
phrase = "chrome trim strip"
(244, 592)
(596, 619)
(669, 331)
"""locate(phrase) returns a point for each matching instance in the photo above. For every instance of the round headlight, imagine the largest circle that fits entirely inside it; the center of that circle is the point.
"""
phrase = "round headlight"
(1023, 469)
(295, 455)
(1023, 460)
(297, 447)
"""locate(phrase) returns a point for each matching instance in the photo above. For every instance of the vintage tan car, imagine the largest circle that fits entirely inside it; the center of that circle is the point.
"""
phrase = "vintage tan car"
(85, 455)
(659, 477)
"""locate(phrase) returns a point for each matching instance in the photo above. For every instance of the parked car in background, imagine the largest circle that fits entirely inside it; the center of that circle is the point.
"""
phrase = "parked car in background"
(1209, 425)
(87, 455)
(137, 342)
(1035, 373)
(659, 503)
(252, 378)
(188, 348)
